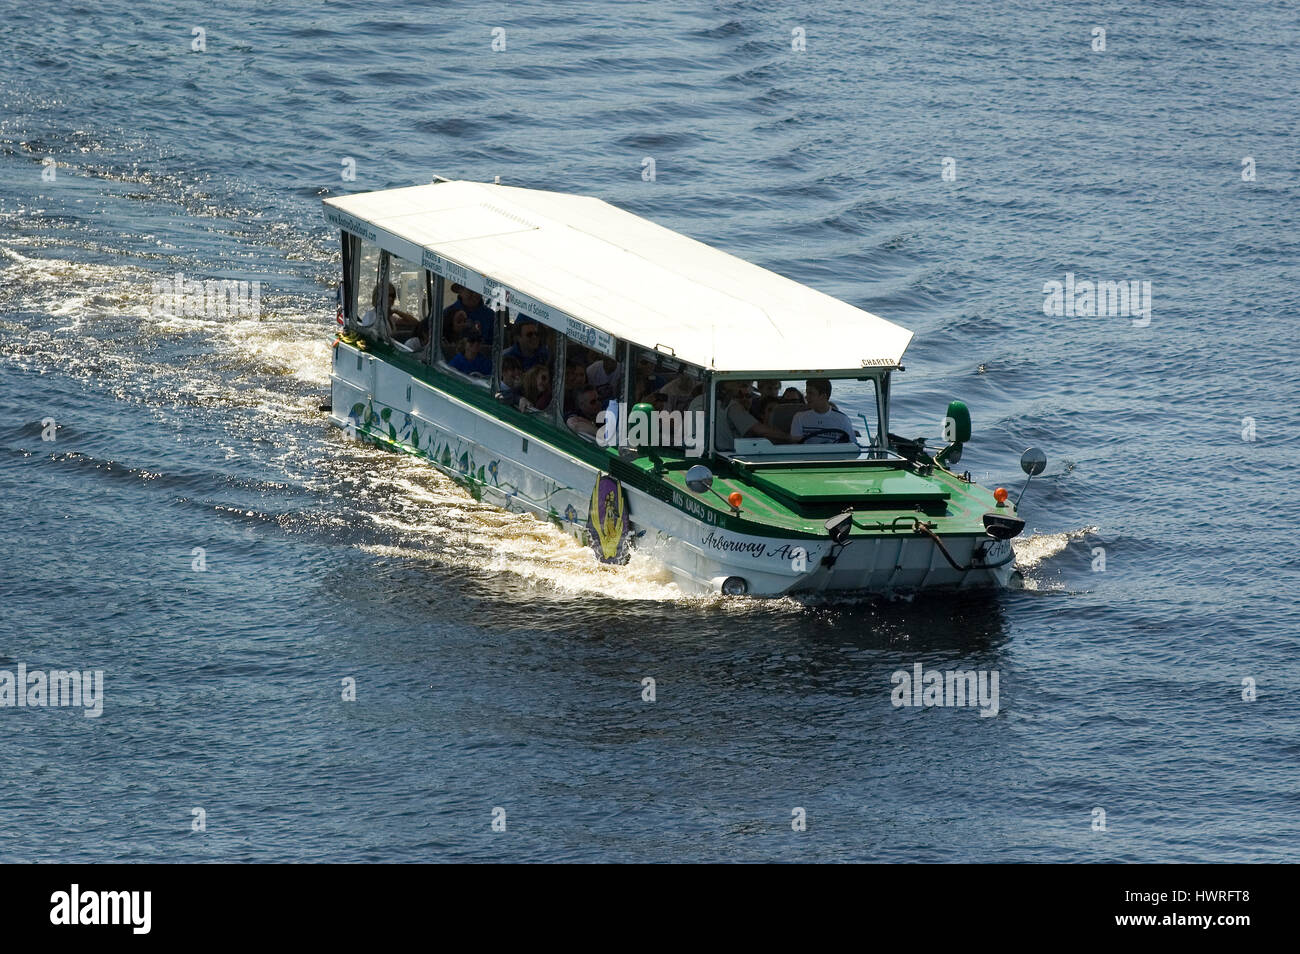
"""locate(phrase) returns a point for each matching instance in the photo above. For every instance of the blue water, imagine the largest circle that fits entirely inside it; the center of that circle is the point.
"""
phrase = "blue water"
(495, 666)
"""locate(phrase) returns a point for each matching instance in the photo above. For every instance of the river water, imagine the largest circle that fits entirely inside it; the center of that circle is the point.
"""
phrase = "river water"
(197, 532)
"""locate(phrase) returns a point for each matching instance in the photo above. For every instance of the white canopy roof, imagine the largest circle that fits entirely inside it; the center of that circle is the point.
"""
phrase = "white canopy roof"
(620, 275)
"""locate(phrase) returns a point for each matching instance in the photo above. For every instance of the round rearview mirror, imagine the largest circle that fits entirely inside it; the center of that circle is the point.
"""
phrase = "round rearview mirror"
(1033, 462)
(699, 478)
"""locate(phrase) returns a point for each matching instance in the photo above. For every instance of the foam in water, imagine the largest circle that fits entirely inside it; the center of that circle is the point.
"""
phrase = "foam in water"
(1034, 552)
(1039, 547)
(432, 516)
(292, 342)
(450, 528)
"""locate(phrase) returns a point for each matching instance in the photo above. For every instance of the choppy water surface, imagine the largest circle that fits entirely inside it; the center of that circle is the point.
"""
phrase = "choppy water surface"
(496, 665)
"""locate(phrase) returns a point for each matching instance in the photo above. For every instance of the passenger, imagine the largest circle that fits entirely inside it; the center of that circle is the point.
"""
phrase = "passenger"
(471, 302)
(537, 388)
(606, 376)
(529, 348)
(583, 420)
(368, 321)
(453, 330)
(575, 379)
(646, 380)
(644, 391)
(791, 396)
(821, 423)
(767, 388)
(732, 418)
(765, 407)
(400, 324)
(512, 373)
(679, 392)
(420, 339)
(470, 359)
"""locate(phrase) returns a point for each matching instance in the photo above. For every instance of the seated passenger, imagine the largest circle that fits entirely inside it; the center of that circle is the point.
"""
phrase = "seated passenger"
(512, 373)
(399, 325)
(821, 423)
(471, 302)
(763, 409)
(791, 396)
(767, 388)
(732, 418)
(646, 380)
(645, 391)
(606, 376)
(369, 320)
(575, 379)
(453, 330)
(529, 348)
(583, 420)
(679, 392)
(537, 388)
(420, 339)
(470, 359)
(656, 399)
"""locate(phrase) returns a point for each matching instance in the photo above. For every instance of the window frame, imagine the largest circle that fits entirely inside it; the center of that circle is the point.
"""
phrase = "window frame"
(432, 285)
(352, 273)
(351, 261)
(879, 440)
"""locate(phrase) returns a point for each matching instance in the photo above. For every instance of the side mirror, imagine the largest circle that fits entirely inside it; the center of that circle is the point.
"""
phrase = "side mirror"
(1033, 462)
(699, 479)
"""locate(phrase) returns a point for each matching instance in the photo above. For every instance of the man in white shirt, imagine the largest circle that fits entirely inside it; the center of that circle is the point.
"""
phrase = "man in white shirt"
(821, 423)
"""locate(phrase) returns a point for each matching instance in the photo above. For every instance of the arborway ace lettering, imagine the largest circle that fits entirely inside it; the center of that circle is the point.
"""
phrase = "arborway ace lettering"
(756, 548)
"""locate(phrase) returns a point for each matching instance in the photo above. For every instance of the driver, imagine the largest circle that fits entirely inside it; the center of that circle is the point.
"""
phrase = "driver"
(821, 424)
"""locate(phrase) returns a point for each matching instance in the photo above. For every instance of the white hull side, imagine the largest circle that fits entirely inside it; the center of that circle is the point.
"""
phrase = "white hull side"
(518, 472)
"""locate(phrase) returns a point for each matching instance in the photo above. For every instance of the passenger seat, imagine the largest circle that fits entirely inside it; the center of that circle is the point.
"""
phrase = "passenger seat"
(784, 414)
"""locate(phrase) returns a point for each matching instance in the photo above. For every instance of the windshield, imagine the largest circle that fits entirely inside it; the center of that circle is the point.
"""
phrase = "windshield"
(769, 414)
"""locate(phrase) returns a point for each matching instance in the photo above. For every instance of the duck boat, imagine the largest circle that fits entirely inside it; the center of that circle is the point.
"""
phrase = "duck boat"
(645, 392)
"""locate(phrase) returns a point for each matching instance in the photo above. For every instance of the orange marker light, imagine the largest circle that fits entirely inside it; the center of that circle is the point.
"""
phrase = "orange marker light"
(1000, 495)
(735, 499)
